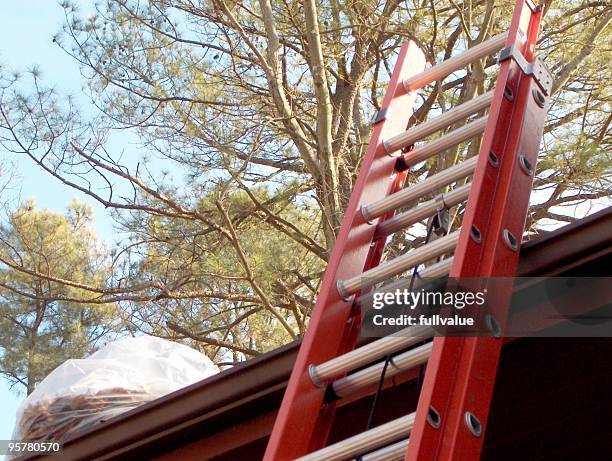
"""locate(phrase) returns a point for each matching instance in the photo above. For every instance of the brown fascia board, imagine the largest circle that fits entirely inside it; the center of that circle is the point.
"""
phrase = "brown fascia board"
(249, 387)
(567, 246)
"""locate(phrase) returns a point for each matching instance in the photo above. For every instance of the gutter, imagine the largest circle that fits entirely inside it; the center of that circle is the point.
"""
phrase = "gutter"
(255, 387)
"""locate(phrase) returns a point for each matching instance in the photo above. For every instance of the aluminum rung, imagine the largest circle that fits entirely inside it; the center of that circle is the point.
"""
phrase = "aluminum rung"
(446, 141)
(423, 130)
(413, 258)
(394, 452)
(435, 271)
(416, 191)
(368, 353)
(364, 442)
(449, 66)
(402, 362)
(425, 210)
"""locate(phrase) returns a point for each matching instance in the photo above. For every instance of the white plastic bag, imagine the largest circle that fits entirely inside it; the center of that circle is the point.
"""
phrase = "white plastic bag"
(122, 375)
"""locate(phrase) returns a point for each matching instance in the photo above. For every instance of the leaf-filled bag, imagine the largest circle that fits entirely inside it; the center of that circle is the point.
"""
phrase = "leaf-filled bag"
(80, 394)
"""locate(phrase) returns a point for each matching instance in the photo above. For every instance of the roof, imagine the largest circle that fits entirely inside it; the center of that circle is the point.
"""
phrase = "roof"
(231, 413)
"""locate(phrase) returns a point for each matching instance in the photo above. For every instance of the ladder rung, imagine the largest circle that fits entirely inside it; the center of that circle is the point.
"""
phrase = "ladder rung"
(416, 191)
(402, 362)
(396, 266)
(446, 141)
(425, 210)
(449, 66)
(394, 452)
(364, 442)
(454, 115)
(368, 353)
(435, 271)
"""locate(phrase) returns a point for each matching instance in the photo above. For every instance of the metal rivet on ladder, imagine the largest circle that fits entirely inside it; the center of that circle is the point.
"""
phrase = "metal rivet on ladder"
(539, 97)
(525, 165)
(473, 424)
(312, 372)
(493, 159)
(366, 216)
(510, 240)
(389, 149)
(433, 418)
(342, 292)
(508, 93)
(493, 325)
(475, 234)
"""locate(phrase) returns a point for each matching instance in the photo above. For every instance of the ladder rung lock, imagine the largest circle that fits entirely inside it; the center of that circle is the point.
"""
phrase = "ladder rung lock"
(394, 452)
(402, 362)
(446, 141)
(435, 271)
(415, 192)
(454, 115)
(455, 63)
(368, 353)
(423, 211)
(413, 258)
(364, 442)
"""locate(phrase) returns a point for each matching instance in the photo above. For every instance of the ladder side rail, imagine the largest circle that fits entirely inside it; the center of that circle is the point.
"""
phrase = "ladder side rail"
(351, 333)
(299, 414)
(461, 371)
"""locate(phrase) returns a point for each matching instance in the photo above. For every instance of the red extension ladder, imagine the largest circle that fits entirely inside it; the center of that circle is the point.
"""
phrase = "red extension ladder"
(449, 421)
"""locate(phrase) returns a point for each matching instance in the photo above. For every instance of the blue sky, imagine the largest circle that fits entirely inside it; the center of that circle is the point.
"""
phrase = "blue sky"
(26, 30)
